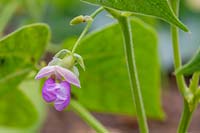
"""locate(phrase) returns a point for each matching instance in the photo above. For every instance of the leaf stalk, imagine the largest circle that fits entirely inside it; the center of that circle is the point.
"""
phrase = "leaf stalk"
(133, 74)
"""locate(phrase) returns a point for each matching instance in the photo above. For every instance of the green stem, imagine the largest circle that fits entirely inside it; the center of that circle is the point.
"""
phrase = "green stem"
(177, 60)
(89, 23)
(133, 75)
(177, 56)
(80, 110)
(185, 119)
(86, 116)
(186, 114)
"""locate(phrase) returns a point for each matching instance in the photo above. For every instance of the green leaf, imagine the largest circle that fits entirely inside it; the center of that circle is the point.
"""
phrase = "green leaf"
(156, 8)
(192, 66)
(23, 110)
(19, 52)
(105, 83)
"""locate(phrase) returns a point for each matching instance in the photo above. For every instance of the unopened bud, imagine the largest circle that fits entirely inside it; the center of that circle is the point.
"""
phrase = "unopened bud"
(80, 19)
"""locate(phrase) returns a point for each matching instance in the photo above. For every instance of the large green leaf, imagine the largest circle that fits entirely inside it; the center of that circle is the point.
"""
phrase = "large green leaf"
(192, 66)
(19, 51)
(105, 83)
(156, 8)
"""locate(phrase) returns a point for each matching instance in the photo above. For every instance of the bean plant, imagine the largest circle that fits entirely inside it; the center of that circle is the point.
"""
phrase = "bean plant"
(114, 69)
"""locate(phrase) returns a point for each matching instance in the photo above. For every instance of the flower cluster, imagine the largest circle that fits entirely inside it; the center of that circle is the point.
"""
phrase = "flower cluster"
(57, 88)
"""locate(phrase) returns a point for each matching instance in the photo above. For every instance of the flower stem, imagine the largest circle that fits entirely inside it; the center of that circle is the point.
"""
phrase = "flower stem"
(89, 23)
(133, 75)
(186, 114)
(80, 110)
(86, 116)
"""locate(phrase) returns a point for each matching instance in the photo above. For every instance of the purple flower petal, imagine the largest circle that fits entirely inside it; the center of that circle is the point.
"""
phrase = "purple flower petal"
(63, 96)
(68, 76)
(46, 71)
(49, 90)
(60, 73)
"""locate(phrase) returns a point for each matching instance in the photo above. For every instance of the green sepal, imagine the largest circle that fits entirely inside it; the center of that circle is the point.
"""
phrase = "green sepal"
(80, 61)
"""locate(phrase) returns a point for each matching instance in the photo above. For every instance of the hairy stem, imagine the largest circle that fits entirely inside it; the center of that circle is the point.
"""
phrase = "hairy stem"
(87, 117)
(186, 114)
(133, 75)
(93, 15)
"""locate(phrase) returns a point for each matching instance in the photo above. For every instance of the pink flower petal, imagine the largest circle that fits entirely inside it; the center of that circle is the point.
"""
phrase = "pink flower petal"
(46, 71)
(49, 90)
(68, 76)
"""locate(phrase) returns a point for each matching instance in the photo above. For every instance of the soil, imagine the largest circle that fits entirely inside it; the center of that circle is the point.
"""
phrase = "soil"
(68, 122)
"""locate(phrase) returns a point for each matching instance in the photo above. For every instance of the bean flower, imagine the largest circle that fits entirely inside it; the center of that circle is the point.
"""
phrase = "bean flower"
(58, 85)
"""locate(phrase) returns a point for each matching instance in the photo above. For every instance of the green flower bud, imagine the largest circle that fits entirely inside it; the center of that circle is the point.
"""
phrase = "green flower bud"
(77, 20)
(80, 19)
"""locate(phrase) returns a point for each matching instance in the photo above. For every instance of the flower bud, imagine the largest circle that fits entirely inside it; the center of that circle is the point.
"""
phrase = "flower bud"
(80, 19)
